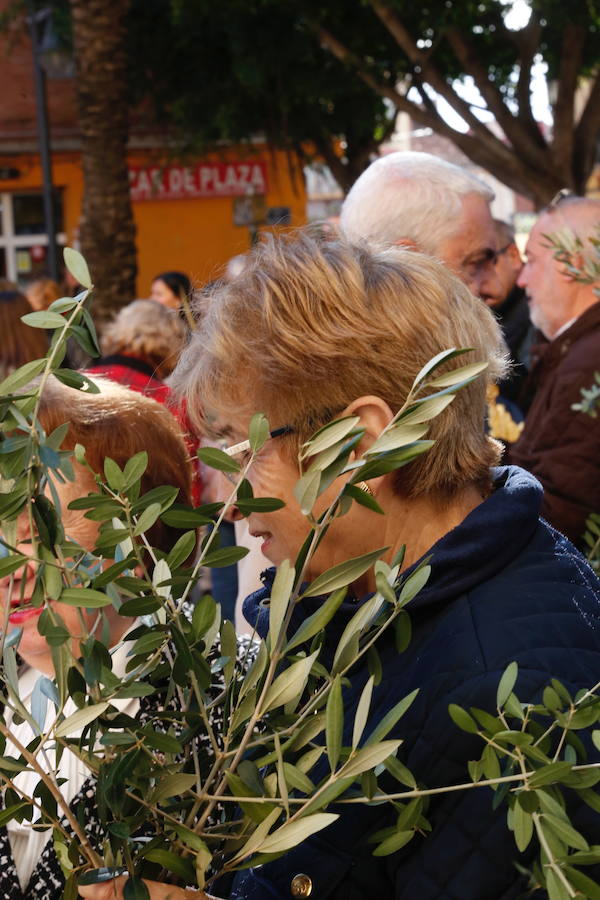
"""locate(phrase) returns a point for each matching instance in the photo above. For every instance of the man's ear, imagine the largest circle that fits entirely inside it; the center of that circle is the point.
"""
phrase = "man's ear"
(375, 414)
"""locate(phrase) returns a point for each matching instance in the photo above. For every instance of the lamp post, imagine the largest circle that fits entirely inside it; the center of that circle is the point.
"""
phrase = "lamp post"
(38, 20)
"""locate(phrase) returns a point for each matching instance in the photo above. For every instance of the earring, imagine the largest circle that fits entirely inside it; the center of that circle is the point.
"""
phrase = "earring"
(363, 486)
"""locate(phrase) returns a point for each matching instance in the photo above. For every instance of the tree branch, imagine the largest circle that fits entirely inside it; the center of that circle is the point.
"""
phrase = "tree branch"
(571, 58)
(586, 136)
(527, 42)
(428, 72)
(514, 131)
(486, 151)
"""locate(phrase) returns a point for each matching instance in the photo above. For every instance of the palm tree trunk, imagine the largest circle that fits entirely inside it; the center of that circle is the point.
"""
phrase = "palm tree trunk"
(107, 226)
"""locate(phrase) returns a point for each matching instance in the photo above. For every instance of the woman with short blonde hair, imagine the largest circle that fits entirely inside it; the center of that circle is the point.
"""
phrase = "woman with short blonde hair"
(310, 331)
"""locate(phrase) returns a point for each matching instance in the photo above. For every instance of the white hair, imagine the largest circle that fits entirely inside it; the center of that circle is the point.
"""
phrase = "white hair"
(408, 196)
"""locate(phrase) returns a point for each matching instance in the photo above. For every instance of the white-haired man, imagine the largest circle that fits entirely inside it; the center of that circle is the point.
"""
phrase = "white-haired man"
(560, 446)
(422, 201)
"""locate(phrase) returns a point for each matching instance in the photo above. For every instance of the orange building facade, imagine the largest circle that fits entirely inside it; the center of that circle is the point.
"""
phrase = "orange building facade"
(191, 215)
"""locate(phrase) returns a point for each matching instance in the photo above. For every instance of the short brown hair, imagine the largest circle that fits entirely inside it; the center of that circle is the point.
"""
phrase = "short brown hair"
(118, 423)
(311, 325)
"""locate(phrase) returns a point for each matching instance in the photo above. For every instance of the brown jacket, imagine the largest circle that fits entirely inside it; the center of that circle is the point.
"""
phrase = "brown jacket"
(559, 446)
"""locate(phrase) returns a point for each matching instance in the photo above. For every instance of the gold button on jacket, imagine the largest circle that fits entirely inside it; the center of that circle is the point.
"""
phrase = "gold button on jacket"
(301, 886)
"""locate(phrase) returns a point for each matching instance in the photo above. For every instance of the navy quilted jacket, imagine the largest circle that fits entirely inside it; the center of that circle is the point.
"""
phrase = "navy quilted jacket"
(504, 586)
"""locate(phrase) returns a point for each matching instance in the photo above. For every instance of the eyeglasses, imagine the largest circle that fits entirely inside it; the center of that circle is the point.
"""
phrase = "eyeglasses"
(563, 194)
(244, 446)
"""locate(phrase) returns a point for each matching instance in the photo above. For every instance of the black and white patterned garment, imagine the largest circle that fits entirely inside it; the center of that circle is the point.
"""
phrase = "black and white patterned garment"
(47, 880)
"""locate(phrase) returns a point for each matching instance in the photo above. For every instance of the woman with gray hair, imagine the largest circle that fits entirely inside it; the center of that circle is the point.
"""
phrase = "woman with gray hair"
(141, 346)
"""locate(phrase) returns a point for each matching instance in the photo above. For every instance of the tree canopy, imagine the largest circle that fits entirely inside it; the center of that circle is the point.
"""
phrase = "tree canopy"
(332, 77)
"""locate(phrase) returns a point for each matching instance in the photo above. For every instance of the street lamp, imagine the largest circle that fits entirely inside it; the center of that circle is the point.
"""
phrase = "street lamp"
(44, 45)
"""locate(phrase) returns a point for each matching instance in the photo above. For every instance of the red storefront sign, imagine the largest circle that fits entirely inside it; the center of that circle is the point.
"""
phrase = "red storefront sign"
(235, 179)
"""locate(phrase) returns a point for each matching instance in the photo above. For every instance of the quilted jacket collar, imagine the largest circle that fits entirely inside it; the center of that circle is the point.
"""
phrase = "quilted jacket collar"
(484, 543)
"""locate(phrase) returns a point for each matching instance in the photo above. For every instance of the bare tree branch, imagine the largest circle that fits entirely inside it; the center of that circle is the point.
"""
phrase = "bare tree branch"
(526, 40)
(512, 128)
(422, 60)
(487, 152)
(564, 109)
(586, 137)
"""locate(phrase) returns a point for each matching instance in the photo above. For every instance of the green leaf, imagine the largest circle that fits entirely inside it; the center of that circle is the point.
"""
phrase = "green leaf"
(280, 597)
(400, 772)
(10, 564)
(135, 468)
(462, 718)
(347, 647)
(343, 574)
(297, 779)
(362, 712)
(22, 376)
(258, 432)
(78, 267)
(77, 380)
(113, 475)
(257, 837)
(507, 683)
(522, 825)
(566, 832)
(596, 739)
(44, 319)
(182, 549)
(319, 619)
(63, 304)
(370, 756)
(172, 786)
(351, 490)
(289, 684)
(147, 519)
(550, 774)
(77, 722)
(218, 459)
(86, 598)
(393, 843)
(258, 504)
(224, 556)
(6, 815)
(426, 410)
(293, 833)
(168, 860)
(439, 360)
(588, 888)
(306, 490)
(555, 887)
(334, 723)
(101, 875)
(397, 437)
(328, 435)
(413, 584)
(389, 461)
(457, 375)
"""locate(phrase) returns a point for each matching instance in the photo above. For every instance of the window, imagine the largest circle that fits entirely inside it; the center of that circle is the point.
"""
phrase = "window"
(23, 238)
